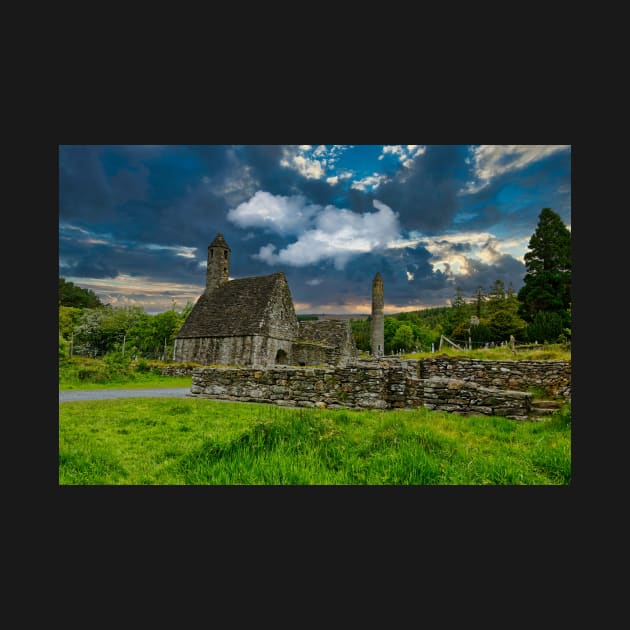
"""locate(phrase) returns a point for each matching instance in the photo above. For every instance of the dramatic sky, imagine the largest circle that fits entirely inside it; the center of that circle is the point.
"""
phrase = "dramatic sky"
(135, 221)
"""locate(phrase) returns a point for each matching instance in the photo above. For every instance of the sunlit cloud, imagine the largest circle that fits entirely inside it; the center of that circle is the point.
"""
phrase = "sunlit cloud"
(152, 295)
(371, 182)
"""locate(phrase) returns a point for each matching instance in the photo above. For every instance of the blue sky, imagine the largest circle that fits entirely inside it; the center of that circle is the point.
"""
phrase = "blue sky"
(135, 221)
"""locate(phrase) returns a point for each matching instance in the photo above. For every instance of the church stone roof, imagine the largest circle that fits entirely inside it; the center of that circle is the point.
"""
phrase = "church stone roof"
(236, 308)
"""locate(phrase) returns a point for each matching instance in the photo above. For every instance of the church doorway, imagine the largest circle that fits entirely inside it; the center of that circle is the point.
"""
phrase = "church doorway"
(281, 357)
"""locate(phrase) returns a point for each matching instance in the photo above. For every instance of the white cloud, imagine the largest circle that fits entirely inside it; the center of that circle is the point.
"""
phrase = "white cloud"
(314, 282)
(371, 181)
(180, 250)
(311, 169)
(294, 158)
(405, 154)
(488, 160)
(283, 215)
(332, 180)
(337, 235)
(394, 149)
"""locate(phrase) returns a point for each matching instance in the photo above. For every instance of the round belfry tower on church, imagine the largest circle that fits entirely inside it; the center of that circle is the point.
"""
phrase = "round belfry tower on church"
(377, 336)
(218, 270)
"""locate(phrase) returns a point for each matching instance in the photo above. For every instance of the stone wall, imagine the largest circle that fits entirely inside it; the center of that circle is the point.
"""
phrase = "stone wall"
(311, 353)
(362, 385)
(174, 370)
(344, 387)
(331, 339)
(468, 398)
(554, 377)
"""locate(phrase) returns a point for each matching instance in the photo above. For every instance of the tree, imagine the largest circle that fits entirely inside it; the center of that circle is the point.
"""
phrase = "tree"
(546, 327)
(548, 277)
(72, 295)
(362, 333)
(403, 338)
(459, 314)
(505, 323)
(480, 298)
(69, 318)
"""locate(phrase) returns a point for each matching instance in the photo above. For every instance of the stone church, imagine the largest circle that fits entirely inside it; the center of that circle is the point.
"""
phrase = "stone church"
(252, 322)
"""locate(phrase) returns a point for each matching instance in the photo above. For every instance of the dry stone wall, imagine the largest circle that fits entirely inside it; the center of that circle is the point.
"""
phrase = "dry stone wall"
(384, 384)
(355, 387)
(552, 376)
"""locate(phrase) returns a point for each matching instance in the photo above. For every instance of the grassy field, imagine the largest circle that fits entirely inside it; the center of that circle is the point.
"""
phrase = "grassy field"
(158, 441)
(204, 442)
(550, 352)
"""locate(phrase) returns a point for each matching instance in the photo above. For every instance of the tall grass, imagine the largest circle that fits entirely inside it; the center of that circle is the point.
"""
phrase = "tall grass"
(206, 442)
(114, 372)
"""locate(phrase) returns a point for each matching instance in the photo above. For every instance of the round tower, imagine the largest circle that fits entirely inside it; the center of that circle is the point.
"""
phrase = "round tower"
(377, 336)
(218, 270)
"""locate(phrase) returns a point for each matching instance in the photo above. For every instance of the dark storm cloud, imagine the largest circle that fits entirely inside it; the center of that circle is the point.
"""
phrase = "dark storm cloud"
(85, 190)
(425, 195)
(122, 207)
(507, 269)
(84, 258)
(354, 283)
(361, 202)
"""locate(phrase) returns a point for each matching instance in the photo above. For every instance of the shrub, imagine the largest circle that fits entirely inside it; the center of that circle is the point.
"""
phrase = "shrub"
(117, 364)
(93, 374)
(142, 366)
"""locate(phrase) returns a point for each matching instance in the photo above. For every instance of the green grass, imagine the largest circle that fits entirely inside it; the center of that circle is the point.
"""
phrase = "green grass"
(552, 352)
(157, 441)
(82, 373)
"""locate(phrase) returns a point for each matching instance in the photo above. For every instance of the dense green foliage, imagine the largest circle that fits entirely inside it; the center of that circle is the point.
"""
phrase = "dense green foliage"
(115, 371)
(547, 281)
(157, 441)
(124, 329)
(72, 295)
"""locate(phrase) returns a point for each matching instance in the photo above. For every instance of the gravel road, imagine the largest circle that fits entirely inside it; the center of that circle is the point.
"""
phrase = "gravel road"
(108, 394)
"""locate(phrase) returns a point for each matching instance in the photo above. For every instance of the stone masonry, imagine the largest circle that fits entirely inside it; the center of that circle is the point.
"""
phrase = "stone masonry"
(387, 384)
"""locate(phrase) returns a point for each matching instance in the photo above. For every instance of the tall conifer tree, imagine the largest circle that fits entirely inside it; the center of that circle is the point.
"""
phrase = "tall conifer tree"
(548, 278)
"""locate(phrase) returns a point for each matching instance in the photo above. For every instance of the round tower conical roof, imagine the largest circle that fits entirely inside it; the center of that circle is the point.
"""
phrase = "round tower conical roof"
(219, 241)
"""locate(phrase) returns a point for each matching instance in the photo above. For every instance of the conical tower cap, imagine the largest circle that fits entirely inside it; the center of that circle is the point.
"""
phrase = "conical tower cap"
(219, 241)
